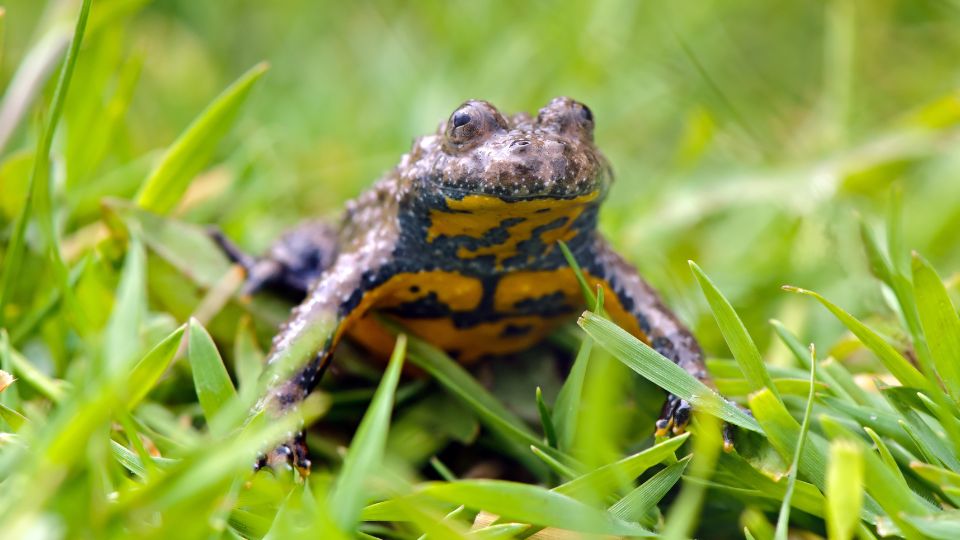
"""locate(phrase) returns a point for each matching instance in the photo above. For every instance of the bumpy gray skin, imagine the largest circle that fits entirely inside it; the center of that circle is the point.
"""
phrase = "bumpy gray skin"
(383, 233)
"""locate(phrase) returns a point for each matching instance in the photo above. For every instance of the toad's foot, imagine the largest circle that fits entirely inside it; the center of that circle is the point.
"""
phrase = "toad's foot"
(676, 415)
(291, 453)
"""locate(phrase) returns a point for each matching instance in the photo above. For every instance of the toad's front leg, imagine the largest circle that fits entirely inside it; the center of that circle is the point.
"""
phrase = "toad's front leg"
(646, 317)
(302, 349)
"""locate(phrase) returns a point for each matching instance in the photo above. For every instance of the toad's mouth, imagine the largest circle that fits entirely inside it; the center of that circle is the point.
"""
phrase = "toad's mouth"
(508, 195)
(519, 189)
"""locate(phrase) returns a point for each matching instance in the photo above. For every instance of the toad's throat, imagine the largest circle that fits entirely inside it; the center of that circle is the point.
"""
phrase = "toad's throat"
(506, 229)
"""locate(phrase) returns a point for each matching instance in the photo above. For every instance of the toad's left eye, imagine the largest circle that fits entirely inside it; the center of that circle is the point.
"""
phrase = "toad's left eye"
(586, 113)
(471, 123)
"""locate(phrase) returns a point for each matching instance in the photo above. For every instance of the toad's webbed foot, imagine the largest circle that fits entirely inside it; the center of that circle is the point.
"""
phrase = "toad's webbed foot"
(676, 415)
(291, 453)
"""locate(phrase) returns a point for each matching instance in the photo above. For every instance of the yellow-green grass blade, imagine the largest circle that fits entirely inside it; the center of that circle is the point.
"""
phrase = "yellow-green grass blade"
(531, 504)
(937, 475)
(844, 489)
(210, 378)
(584, 286)
(247, 357)
(783, 521)
(945, 526)
(433, 525)
(134, 463)
(9, 394)
(604, 480)
(560, 469)
(637, 505)
(567, 407)
(792, 343)
(188, 155)
(783, 432)
(349, 492)
(887, 457)
(147, 372)
(37, 186)
(495, 532)
(29, 374)
(14, 419)
(685, 512)
(210, 467)
(941, 324)
(735, 334)
(123, 329)
(898, 366)
(546, 420)
(934, 444)
(653, 366)
(895, 498)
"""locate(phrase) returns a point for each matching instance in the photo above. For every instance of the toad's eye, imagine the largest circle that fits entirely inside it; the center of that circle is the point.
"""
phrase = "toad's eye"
(586, 113)
(460, 118)
(470, 123)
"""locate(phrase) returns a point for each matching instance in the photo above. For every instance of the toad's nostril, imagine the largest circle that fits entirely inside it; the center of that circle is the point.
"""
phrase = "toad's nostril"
(519, 142)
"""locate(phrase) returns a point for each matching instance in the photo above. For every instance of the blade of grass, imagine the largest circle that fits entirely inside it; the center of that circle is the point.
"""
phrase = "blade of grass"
(605, 479)
(36, 185)
(891, 359)
(545, 420)
(653, 366)
(53, 389)
(783, 521)
(940, 322)
(14, 419)
(844, 489)
(531, 504)
(792, 343)
(744, 350)
(783, 432)
(123, 329)
(553, 464)
(578, 272)
(895, 498)
(247, 356)
(567, 406)
(886, 457)
(563, 471)
(145, 374)
(211, 467)
(945, 526)
(348, 494)
(685, 512)
(637, 505)
(9, 394)
(495, 532)
(210, 378)
(162, 190)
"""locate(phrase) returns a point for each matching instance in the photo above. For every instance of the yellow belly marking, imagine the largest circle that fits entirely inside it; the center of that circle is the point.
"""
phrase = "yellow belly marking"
(459, 292)
(463, 293)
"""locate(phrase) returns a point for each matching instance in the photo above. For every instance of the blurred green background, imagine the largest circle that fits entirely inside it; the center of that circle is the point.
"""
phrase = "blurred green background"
(745, 135)
(753, 137)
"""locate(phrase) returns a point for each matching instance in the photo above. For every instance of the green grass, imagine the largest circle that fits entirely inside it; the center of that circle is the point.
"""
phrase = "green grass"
(808, 146)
